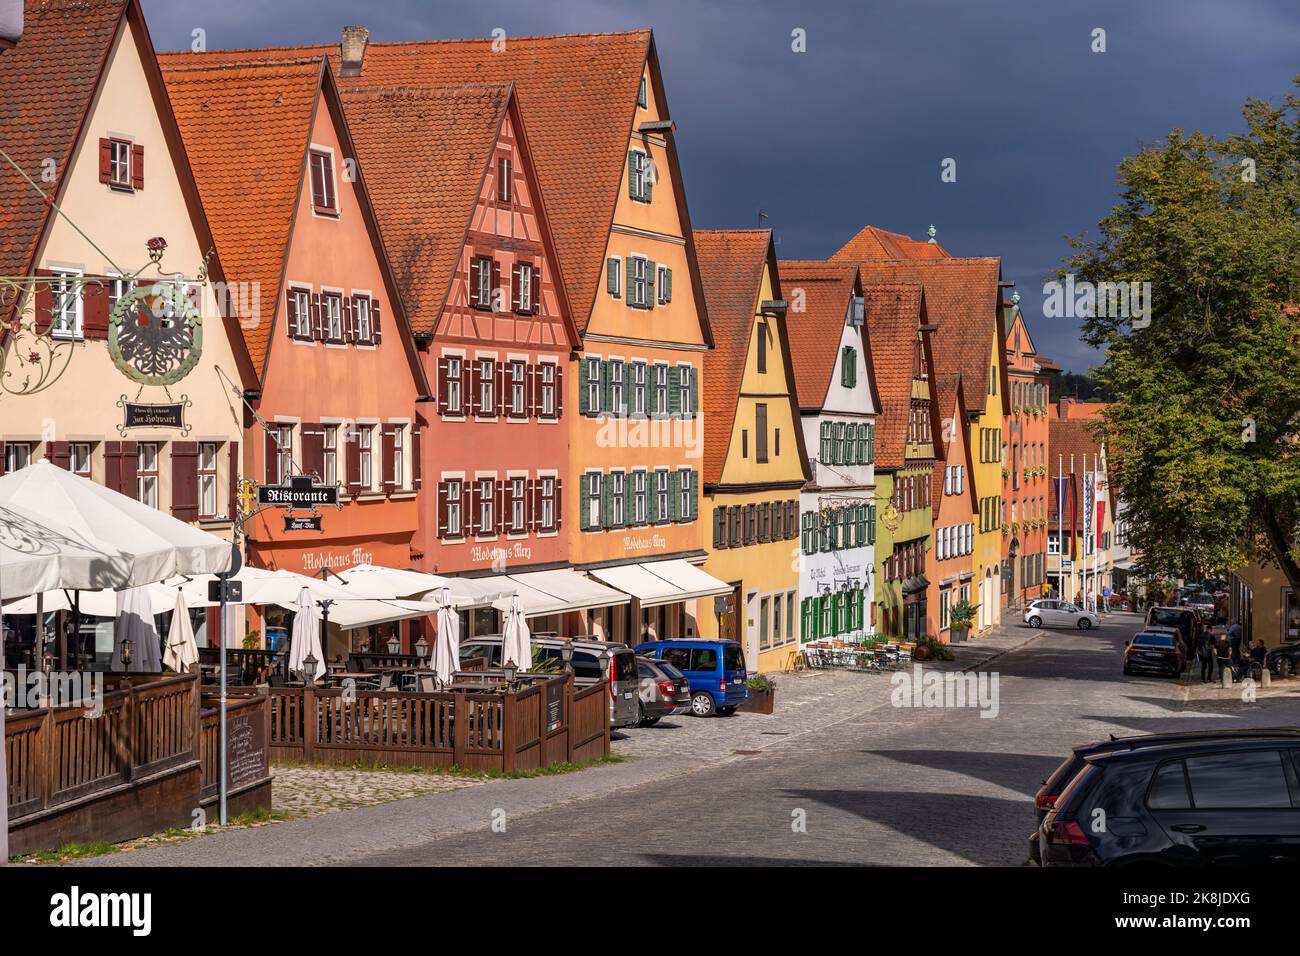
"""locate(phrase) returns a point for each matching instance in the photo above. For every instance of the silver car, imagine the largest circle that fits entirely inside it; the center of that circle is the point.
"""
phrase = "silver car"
(1053, 613)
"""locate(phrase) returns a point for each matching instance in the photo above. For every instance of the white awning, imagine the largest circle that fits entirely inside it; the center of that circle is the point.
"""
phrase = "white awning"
(555, 592)
(663, 582)
(350, 614)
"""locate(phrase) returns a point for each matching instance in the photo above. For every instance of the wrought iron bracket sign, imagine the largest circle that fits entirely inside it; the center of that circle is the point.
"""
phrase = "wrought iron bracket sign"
(154, 415)
(155, 334)
(300, 494)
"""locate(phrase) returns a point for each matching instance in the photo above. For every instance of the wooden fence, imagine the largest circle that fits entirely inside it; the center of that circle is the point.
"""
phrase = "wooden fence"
(248, 726)
(546, 722)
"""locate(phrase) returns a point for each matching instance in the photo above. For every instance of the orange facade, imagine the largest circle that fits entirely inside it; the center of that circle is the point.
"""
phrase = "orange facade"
(951, 564)
(1026, 488)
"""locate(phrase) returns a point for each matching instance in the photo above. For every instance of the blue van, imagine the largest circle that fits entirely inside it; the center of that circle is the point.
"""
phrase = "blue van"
(714, 667)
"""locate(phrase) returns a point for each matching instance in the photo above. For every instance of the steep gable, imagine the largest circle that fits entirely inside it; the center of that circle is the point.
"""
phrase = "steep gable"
(820, 294)
(900, 354)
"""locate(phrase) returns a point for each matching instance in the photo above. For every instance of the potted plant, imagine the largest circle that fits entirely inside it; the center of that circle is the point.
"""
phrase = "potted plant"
(963, 616)
(762, 694)
(930, 648)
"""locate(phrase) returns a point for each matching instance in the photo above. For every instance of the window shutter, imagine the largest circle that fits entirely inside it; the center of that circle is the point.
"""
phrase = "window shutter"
(389, 439)
(559, 390)
(537, 290)
(649, 179)
(605, 387)
(532, 505)
(137, 166)
(105, 160)
(473, 281)
(607, 501)
(317, 318)
(470, 389)
(291, 313)
(674, 496)
(443, 490)
(502, 381)
(532, 390)
(496, 283)
(558, 501)
(611, 276)
(44, 296)
(417, 467)
(352, 454)
(313, 449)
(674, 391)
(631, 175)
(130, 451)
(668, 285)
(348, 316)
(94, 308)
(60, 454)
(650, 268)
(584, 404)
(112, 465)
(444, 394)
(720, 527)
(376, 328)
(584, 492)
(629, 283)
(502, 489)
(232, 460)
(271, 448)
(695, 391)
(516, 287)
(185, 480)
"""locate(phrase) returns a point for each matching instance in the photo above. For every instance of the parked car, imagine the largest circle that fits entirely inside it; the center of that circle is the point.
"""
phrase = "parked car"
(665, 691)
(1226, 801)
(1283, 660)
(1202, 602)
(1055, 784)
(1053, 613)
(592, 662)
(1157, 651)
(715, 669)
(1185, 619)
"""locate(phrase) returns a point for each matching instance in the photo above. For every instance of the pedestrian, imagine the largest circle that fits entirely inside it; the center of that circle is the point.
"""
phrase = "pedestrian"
(1258, 656)
(1206, 652)
(1223, 653)
(1105, 598)
(1234, 646)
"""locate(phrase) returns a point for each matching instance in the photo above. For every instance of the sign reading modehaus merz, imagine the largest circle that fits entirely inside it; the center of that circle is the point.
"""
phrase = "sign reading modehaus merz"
(299, 493)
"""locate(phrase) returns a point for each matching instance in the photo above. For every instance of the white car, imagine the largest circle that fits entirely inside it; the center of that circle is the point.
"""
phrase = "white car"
(1060, 613)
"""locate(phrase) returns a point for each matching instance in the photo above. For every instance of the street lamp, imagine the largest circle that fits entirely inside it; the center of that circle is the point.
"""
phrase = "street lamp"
(309, 669)
(394, 644)
(422, 649)
(511, 671)
(127, 645)
(566, 655)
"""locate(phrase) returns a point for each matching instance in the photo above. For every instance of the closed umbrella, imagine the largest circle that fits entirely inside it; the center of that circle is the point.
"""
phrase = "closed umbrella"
(135, 623)
(181, 651)
(304, 641)
(516, 640)
(446, 649)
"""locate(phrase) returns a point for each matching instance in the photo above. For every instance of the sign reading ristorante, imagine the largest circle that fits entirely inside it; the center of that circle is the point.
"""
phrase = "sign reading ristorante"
(300, 493)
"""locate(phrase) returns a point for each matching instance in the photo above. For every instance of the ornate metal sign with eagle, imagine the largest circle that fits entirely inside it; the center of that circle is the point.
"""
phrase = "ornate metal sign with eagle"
(155, 333)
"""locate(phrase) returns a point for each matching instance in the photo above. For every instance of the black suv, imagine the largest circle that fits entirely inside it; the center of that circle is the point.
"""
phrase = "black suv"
(1062, 776)
(1284, 660)
(1223, 800)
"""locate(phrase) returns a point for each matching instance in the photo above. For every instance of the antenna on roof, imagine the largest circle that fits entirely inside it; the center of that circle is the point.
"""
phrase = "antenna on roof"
(762, 215)
(931, 232)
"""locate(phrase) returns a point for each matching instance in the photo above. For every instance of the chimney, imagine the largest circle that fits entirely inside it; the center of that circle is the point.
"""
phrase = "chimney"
(352, 49)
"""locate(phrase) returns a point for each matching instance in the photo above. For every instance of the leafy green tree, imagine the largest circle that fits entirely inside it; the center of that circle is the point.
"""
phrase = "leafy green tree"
(1203, 436)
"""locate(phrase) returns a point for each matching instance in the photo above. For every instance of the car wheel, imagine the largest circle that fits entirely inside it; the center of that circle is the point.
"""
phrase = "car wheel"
(1084, 623)
(726, 711)
(702, 705)
(1035, 621)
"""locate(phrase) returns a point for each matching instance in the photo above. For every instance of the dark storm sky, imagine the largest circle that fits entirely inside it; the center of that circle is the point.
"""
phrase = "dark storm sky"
(854, 130)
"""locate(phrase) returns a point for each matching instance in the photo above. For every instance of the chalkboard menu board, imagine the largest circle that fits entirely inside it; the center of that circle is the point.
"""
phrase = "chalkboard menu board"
(245, 750)
(554, 705)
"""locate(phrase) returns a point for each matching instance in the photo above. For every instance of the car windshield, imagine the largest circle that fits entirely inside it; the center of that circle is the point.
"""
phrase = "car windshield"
(1154, 640)
(1168, 616)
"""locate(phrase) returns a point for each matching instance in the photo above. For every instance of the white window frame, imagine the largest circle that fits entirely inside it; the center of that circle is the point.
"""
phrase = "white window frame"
(118, 163)
(454, 528)
(487, 506)
(595, 491)
(332, 303)
(283, 452)
(146, 479)
(684, 488)
(207, 479)
(12, 457)
(361, 318)
(75, 458)
(593, 384)
(302, 301)
(518, 396)
(487, 405)
(399, 456)
(330, 453)
(518, 505)
(455, 401)
(366, 456)
(640, 497)
(684, 373)
(60, 299)
(548, 390)
(547, 519)
(525, 291)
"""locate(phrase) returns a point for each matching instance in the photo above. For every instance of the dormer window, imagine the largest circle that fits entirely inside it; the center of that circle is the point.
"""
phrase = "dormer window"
(503, 179)
(323, 199)
(640, 94)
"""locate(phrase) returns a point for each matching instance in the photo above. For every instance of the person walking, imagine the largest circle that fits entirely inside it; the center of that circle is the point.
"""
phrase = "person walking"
(1105, 598)
(1223, 653)
(1206, 651)
(1234, 649)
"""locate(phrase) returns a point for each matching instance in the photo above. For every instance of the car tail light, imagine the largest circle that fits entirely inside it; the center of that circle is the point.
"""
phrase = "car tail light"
(722, 685)
(1045, 801)
(611, 678)
(1067, 831)
(667, 688)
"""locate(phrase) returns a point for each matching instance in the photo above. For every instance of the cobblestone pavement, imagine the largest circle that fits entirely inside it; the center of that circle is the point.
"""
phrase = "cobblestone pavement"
(307, 791)
(836, 775)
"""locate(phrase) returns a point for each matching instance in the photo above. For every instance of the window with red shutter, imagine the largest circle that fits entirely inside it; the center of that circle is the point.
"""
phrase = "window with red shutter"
(322, 183)
(185, 480)
(137, 166)
(376, 326)
(389, 438)
(233, 472)
(417, 468)
(537, 291)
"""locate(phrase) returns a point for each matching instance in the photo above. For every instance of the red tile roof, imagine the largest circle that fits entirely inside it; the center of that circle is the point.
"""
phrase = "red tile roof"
(578, 94)
(962, 299)
(267, 110)
(824, 289)
(875, 243)
(47, 82)
(731, 269)
(894, 311)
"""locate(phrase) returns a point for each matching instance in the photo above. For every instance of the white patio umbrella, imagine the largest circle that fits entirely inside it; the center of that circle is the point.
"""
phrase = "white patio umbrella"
(182, 651)
(262, 586)
(38, 553)
(135, 623)
(304, 641)
(101, 603)
(156, 544)
(446, 649)
(516, 639)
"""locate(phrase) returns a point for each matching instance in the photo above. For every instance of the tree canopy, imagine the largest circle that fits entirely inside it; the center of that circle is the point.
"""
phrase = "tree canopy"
(1203, 436)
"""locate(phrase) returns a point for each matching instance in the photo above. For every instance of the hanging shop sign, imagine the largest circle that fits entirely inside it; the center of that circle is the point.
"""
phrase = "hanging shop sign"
(155, 333)
(153, 414)
(302, 523)
(300, 494)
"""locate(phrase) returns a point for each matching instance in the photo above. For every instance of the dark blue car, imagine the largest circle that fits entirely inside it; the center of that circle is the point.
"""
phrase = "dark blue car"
(714, 668)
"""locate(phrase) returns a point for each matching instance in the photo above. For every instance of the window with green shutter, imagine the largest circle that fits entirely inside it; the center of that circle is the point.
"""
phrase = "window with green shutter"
(607, 504)
(871, 443)
(825, 454)
(674, 496)
(584, 400)
(824, 613)
(871, 524)
(650, 284)
(848, 367)
(612, 284)
(584, 510)
(807, 533)
(674, 391)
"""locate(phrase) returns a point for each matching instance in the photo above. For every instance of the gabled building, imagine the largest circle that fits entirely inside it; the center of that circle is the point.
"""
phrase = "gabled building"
(339, 378)
(87, 119)
(1080, 522)
(838, 406)
(483, 289)
(952, 566)
(1026, 488)
(754, 458)
(964, 298)
(603, 141)
(901, 336)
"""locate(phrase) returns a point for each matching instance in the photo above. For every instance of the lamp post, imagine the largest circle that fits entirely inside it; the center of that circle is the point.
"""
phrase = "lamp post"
(422, 649)
(309, 669)
(394, 645)
(127, 644)
(566, 655)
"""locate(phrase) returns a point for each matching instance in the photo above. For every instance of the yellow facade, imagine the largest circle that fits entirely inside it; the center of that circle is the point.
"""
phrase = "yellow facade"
(762, 613)
(986, 455)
